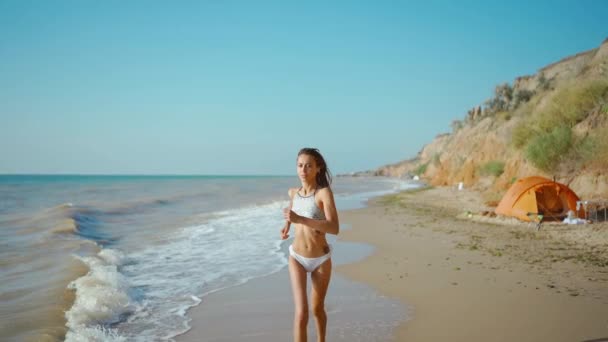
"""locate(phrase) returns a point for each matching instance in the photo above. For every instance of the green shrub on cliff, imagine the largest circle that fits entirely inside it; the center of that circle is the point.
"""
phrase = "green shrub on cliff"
(545, 150)
(572, 105)
(583, 149)
(493, 168)
(522, 133)
(421, 169)
(503, 94)
(547, 137)
(519, 97)
(599, 153)
(504, 115)
(457, 125)
(543, 82)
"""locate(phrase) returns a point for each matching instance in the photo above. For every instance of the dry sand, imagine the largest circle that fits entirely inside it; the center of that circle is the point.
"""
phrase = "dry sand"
(476, 278)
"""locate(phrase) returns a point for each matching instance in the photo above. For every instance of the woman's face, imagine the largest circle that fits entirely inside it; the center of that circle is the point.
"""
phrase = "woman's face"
(307, 168)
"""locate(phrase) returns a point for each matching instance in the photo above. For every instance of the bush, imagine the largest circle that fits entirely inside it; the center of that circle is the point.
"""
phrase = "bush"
(545, 150)
(522, 133)
(504, 115)
(583, 149)
(543, 82)
(572, 105)
(599, 150)
(602, 149)
(456, 125)
(547, 137)
(520, 97)
(503, 94)
(421, 169)
(493, 168)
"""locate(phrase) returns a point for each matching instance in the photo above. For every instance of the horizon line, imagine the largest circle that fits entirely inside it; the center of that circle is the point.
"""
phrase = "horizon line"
(145, 174)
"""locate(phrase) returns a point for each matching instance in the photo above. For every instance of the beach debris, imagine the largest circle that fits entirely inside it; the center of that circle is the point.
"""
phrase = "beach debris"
(575, 220)
(593, 209)
(487, 213)
(572, 219)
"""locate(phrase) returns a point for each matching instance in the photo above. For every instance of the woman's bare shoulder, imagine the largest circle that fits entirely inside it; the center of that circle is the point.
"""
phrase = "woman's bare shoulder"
(291, 192)
(325, 192)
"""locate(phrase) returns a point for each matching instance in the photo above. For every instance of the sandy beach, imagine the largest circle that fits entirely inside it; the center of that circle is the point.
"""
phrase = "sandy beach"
(479, 278)
(449, 272)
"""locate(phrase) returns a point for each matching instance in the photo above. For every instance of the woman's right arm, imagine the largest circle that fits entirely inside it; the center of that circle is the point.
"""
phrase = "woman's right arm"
(285, 230)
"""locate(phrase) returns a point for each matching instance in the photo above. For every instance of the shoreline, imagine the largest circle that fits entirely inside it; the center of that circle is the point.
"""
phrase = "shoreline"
(262, 309)
(466, 278)
(207, 318)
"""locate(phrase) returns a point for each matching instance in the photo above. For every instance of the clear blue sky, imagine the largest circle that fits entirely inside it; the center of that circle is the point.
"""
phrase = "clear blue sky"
(227, 87)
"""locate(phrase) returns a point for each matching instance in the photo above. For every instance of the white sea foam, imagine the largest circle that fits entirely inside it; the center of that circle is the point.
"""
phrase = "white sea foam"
(167, 279)
(101, 298)
(94, 334)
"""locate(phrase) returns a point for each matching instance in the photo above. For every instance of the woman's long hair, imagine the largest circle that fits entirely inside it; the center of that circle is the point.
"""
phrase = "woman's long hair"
(324, 176)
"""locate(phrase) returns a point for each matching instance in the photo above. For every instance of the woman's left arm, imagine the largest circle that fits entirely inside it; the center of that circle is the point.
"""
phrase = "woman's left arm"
(331, 224)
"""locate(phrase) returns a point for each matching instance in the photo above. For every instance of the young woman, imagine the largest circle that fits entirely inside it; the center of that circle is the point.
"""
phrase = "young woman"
(313, 212)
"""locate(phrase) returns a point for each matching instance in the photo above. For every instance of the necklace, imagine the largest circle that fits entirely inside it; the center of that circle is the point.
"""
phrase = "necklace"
(313, 192)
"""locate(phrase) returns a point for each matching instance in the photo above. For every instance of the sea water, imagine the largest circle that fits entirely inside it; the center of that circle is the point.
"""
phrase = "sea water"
(122, 258)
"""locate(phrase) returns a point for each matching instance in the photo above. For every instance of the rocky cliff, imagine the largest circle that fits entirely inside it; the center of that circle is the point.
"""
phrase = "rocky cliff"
(553, 123)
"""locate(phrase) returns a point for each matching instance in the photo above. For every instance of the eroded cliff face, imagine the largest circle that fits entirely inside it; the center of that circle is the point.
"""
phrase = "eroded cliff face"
(486, 136)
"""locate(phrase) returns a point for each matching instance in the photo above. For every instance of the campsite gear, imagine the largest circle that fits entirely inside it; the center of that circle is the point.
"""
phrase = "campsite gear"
(536, 198)
(593, 209)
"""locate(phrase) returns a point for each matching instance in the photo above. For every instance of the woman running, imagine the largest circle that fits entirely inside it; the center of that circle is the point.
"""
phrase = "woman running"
(313, 212)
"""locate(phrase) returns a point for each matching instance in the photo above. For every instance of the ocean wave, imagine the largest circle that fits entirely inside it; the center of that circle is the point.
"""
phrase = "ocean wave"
(138, 206)
(78, 221)
(166, 280)
(102, 298)
(67, 226)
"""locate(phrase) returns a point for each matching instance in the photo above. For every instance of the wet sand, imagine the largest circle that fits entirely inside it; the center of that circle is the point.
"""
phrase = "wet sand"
(262, 309)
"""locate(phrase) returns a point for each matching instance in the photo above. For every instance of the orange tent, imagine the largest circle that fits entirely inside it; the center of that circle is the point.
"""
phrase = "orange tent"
(532, 196)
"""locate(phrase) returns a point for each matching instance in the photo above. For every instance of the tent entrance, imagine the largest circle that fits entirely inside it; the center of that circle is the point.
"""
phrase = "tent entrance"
(550, 204)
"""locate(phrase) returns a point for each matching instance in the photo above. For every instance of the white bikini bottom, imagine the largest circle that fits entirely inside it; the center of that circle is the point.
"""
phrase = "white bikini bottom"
(309, 264)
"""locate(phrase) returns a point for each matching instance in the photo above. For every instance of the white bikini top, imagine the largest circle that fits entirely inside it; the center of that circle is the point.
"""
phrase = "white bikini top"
(306, 206)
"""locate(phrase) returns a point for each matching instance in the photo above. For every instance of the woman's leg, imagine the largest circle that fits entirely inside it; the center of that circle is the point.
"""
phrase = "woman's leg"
(320, 282)
(297, 273)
